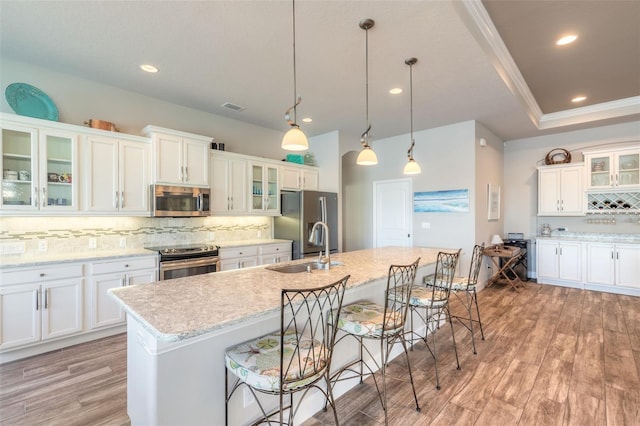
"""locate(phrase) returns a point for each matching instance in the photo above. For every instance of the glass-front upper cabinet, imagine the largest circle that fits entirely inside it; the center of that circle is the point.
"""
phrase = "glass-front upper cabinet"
(38, 167)
(264, 191)
(613, 169)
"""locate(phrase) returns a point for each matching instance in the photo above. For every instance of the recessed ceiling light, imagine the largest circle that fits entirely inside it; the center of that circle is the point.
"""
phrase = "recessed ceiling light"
(307, 120)
(578, 99)
(148, 68)
(568, 39)
(395, 91)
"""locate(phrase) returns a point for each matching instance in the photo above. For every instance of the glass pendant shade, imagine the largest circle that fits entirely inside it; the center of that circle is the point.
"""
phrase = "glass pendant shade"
(367, 157)
(412, 168)
(295, 140)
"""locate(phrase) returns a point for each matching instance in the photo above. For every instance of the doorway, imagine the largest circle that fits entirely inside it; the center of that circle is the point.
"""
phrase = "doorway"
(392, 213)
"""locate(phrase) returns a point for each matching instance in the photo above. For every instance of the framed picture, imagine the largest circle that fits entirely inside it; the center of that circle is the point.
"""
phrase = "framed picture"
(493, 201)
(449, 201)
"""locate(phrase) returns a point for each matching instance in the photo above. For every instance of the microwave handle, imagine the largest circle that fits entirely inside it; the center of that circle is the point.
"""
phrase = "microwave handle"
(199, 202)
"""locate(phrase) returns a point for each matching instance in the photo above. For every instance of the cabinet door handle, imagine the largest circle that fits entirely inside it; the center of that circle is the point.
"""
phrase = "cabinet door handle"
(37, 300)
(46, 298)
(611, 254)
(617, 255)
(610, 179)
(116, 200)
(557, 205)
(35, 193)
(617, 181)
(44, 196)
(121, 199)
(560, 251)
(186, 173)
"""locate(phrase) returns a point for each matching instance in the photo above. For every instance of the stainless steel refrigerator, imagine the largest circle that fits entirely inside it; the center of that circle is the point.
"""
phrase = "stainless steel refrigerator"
(300, 210)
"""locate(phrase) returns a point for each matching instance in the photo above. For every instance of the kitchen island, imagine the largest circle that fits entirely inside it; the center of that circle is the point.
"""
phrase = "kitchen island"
(179, 329)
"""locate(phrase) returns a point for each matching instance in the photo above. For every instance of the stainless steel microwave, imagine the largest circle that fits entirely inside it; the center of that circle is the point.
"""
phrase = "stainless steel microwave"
(179, 201)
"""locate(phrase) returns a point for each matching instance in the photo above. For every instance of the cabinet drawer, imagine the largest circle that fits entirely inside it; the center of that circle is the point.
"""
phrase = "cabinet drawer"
(46, 273)
(122, 265)
(226, 253)
(275, 249)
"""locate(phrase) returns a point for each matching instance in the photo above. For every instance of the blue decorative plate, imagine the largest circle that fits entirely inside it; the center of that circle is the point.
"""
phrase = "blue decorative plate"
(28, 100)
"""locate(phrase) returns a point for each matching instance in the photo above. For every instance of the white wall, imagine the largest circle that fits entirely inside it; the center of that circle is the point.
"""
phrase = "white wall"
(78, 100)
(447, 156)
(522, 156)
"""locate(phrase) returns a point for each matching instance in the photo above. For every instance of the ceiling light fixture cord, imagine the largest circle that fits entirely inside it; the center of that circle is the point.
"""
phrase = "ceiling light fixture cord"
(366, 157)
(294, 139)
(412, 167)
(410, 62)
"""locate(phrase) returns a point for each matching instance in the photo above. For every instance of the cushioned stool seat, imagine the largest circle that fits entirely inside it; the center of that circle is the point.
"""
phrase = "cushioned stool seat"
(257, 362)
(365, 319)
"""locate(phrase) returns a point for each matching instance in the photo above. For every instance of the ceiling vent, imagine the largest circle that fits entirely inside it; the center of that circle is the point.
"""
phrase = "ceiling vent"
(233, 107)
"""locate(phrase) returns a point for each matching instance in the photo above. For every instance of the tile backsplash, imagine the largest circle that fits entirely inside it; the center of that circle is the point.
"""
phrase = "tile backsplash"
(73, 234)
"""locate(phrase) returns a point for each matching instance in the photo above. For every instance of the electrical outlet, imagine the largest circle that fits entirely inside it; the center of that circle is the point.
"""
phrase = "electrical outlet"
(93, 242)
(259, 234)
(426, 225)
(42, 245)
(248, 398)
(212, 236)
(123, 242)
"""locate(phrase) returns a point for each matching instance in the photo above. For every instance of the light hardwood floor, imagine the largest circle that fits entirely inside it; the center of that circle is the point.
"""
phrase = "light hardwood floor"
(552, 355)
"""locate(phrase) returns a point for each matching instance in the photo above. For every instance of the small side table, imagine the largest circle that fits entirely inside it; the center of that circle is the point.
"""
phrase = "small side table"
(510, 256)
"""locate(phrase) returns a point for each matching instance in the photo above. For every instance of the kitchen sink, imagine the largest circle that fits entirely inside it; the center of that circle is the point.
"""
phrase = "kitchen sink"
(301, 267)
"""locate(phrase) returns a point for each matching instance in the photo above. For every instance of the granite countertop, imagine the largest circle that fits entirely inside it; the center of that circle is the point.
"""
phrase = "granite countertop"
(27, 260)
(225, 244)
(17, 261)
(181, 308)
(595, 237)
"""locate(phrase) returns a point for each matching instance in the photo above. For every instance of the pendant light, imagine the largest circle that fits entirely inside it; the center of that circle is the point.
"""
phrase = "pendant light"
(294, 139)
(411, 168)
(366, 157)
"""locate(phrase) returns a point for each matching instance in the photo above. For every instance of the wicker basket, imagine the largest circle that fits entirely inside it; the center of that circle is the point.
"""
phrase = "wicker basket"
(557, 156)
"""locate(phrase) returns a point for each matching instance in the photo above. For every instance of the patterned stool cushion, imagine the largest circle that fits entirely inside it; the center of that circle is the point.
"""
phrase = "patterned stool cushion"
(458, 284)
(461, 284)
(365, 319)
(257, 362)
(422, 296)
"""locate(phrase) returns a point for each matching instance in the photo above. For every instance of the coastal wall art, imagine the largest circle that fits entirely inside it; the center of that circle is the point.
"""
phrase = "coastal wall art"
(449, 201)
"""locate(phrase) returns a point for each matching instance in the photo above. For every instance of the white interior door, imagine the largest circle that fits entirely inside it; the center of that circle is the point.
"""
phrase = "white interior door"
(393, 213)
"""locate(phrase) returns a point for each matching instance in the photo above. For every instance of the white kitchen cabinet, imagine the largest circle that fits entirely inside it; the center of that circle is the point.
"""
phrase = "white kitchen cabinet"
(611, 264)
(274, 253)
(561, 190)
(229, 187)
(265, 191)
(104, 311)
(40, 168)
(296, 178)
(118, 175)
(238, 257)
(559, 262)
(618, 169)
(38, 304)
(179, 158)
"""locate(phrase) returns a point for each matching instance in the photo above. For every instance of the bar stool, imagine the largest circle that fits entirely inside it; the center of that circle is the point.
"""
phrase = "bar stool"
(295, 358)
(384, 323)
(430, 303)
(467, 285)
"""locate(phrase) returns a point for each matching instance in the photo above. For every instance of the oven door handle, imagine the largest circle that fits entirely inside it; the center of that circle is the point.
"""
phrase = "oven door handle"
(178, 264)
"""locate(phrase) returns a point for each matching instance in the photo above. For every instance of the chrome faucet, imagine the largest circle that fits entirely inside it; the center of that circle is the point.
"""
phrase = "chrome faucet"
(326, 259)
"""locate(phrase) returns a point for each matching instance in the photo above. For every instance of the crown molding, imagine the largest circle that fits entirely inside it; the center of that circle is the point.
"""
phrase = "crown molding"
(477, 20)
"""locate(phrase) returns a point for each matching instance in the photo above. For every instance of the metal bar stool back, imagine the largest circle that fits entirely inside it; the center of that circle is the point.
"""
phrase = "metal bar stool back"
(429, 303)
(293, 359)
(380, 322)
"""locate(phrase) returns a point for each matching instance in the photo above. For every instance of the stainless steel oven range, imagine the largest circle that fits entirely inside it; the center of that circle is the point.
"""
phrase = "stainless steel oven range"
(186, 260)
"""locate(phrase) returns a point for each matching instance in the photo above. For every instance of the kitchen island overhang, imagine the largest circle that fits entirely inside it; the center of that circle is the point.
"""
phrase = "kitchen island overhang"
(179, 329)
